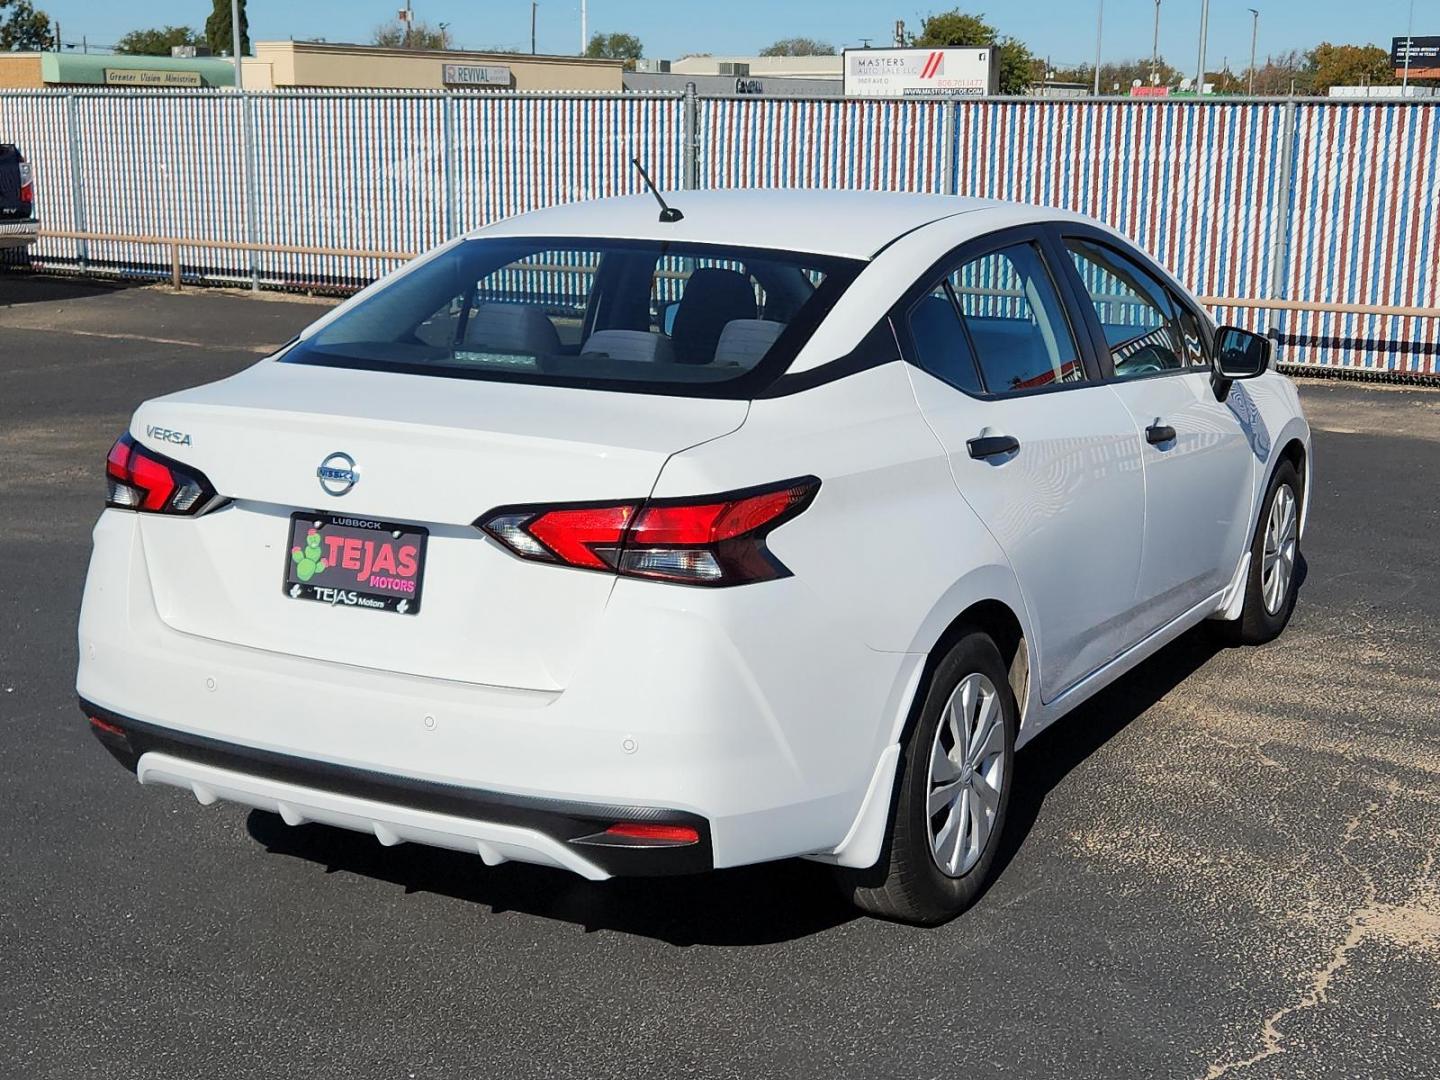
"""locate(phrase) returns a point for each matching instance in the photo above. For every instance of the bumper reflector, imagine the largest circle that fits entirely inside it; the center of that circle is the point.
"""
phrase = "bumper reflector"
(106, 727)
(670, 834)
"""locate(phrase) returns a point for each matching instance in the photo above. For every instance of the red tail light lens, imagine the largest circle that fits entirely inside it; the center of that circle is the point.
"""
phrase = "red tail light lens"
(140, 479)
(714, 540)
(27, 182)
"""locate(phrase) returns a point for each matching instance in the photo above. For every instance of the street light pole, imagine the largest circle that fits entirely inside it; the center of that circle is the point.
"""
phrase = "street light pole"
(1099, 28)
(1155, 49)
(235, 42)
(584, 28)
(1409, 48)
(1254, 34)
(1200, 65)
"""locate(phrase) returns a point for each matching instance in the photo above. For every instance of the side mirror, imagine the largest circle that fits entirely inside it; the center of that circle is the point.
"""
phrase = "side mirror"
(1239, 354)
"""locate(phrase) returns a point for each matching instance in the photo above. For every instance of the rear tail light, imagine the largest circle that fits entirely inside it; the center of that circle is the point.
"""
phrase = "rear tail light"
(140, 479)
(713, 540)
(27, 182)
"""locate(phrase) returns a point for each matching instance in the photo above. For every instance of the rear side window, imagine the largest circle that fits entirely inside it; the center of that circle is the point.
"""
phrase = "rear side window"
(940, 342)
(696, 320)
(1022, 338)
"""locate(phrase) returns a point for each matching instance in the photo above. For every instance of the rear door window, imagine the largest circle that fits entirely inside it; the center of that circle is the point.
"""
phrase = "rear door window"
(1016, 321)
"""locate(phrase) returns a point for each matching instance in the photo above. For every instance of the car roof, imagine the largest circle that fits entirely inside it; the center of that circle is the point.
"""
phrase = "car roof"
(852, 224)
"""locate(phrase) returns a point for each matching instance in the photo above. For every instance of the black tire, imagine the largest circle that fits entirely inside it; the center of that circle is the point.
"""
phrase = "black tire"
(907, 883)
(1257, 624)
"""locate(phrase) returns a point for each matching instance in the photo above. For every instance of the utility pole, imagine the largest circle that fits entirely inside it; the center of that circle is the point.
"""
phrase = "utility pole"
(899, 33)
(1254, 33)
(235, 39)
(1155, 49)
(1099, 28)
(584, 28)
(533, 5)
(1409, 48)
(1200, 64)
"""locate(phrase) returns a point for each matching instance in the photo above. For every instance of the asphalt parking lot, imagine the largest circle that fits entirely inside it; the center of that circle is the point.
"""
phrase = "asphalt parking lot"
(1224, 865)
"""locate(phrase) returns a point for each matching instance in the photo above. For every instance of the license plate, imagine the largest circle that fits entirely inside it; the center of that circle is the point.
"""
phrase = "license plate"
(355, 562)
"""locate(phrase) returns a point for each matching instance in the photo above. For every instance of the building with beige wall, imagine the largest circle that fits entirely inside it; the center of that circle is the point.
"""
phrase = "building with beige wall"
(325, 65)
(318, 65)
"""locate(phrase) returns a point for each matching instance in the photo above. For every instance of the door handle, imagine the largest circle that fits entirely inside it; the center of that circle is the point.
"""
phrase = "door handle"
(1158, 433)
(988, 446)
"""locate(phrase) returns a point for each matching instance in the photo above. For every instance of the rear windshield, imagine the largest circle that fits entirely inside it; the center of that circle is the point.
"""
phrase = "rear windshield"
(648, 317)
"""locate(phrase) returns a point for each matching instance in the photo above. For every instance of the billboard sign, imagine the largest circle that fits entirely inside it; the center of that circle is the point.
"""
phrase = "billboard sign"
(891, 73)
(1422, 53)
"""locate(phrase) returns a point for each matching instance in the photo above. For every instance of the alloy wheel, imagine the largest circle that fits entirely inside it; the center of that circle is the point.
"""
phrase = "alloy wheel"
(1278, 561)
(967, 775)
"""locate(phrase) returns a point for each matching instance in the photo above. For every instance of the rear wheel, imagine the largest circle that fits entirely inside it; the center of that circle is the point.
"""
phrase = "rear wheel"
(1272, 583)
(957, 772)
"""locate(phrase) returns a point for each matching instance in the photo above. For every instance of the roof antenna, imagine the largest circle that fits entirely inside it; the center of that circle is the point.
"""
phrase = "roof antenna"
(668, 214)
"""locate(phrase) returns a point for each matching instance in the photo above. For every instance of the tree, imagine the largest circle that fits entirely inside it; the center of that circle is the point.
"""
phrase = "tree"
(415, 35)
(25, 29)
(625, 47)
(798, 46)
(956, 29)
(157, 41)
(1349, 65)
(1282, 73)
(218, 33)
(1121, 73)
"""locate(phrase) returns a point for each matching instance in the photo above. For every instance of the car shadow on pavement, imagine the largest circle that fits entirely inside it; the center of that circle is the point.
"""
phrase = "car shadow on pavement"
(753, 905)
(1045, 761)
(18, 285)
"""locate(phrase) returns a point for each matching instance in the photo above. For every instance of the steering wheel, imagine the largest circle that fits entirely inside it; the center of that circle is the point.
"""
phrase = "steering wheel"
(1147, 360)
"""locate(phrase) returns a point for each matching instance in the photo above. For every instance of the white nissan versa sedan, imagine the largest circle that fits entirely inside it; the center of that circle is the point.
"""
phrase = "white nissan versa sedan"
(634, 543)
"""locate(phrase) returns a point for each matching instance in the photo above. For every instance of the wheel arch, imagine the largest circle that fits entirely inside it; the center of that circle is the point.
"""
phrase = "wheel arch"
(1002, 616)
(1292, 445)
(1003, 620)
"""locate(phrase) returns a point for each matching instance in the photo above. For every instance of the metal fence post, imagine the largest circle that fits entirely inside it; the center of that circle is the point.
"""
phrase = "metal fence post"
(447, 162)
(690, 139)
(77, 187)
(949, 118)
(252, 193)
(1280, 245)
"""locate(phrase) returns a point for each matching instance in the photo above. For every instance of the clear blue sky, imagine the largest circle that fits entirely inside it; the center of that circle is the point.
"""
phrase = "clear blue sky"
(1064, 30)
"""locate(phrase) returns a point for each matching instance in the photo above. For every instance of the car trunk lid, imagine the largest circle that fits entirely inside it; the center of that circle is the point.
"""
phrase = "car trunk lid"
(432, 453)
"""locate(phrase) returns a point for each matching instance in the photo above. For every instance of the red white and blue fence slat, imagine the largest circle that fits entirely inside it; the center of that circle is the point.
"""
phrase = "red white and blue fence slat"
(1325, 201)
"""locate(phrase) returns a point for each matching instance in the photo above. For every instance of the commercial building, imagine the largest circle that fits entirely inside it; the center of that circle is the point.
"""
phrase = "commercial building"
(321, 64)
(36, 71)
(317, 64)
(741, 76)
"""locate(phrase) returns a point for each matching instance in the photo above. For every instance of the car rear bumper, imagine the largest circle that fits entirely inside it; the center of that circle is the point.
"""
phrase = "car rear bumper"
(742, 710)
(15, 234)
(498, 827)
